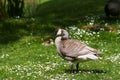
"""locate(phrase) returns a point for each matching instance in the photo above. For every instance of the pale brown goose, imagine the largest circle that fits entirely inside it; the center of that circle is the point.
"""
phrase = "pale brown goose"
(74, 50)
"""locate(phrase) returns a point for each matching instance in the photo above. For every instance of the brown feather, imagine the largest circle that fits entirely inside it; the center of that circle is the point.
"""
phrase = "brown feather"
(75, 48)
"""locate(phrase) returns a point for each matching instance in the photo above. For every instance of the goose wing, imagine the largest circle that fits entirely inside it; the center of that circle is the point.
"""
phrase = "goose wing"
(75, 48)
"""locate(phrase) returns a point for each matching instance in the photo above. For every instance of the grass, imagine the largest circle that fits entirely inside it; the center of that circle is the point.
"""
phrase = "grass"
(28, 59)
(23, 57)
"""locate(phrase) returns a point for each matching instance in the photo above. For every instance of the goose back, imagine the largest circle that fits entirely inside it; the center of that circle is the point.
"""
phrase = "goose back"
(75, 48)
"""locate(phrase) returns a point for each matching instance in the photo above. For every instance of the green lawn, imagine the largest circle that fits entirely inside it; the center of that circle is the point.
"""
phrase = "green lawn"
(23, 57)
(27, 59)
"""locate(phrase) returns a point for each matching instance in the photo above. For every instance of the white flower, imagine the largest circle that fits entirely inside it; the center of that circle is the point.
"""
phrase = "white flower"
(29, 74)
(91, 23)
(106, 24)
(73, 27)
(29, 43)
(4, 56)
(47, 68)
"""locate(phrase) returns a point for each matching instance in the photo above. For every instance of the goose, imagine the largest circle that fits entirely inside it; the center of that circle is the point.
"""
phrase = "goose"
(112, 8)
(72, 50)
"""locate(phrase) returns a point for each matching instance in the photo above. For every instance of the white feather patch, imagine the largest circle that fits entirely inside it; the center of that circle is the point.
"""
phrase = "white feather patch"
(59, 32)
(88, 57)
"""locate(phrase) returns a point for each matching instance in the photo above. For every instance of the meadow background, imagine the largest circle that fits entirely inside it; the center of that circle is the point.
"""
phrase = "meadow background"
(25, 55)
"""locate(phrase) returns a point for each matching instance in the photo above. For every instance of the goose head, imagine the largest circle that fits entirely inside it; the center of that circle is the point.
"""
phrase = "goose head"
(62, 33)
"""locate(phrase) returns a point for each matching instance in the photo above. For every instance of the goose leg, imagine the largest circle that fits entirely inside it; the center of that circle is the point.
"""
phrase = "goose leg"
(71, 67)
(77, 67)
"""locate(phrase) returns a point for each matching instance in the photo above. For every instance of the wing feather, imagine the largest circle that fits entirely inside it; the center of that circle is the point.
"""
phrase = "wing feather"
(75, 48)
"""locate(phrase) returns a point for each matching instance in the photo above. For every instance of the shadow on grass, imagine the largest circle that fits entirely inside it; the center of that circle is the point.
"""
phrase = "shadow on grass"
(8, 33)
(52, 14)
(87, 71)
(56, 10)
(12, 30)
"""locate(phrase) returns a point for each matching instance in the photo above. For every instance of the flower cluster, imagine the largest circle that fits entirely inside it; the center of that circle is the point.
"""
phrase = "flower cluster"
(34, 70)
(114, 58)
(82, 34)
(4, 56)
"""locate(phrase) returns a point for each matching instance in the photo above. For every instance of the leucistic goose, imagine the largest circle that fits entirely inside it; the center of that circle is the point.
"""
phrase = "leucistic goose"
(73, 50)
